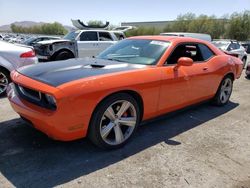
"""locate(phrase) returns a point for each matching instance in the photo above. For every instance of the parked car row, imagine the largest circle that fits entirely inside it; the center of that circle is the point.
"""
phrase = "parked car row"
(26, 39)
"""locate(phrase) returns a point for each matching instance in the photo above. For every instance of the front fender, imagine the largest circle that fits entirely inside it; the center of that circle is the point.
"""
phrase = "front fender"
(6, 64)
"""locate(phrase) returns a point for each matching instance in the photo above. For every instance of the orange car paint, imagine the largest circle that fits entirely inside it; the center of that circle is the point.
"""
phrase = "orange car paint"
(161, 88)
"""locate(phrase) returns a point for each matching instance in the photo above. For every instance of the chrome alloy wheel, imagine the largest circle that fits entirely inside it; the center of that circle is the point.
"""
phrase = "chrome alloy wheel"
(3, 82)
(118, 122)
(226, 90)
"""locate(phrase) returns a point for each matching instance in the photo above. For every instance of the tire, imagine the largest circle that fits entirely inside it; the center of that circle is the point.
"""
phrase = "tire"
(4, 81)
(224, 91)
(111, 126)
(244, 60)
(63, 56)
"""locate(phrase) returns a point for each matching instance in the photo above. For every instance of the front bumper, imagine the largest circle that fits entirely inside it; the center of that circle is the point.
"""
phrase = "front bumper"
(42, 58)
(56, 124)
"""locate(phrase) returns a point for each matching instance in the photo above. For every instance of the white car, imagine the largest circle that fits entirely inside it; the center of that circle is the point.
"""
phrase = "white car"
(80, 43)
(13, 56)
(232, 47)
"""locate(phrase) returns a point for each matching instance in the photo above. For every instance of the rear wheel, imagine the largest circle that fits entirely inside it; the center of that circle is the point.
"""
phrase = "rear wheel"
(114, 121)
(4, 81)
(224, 91)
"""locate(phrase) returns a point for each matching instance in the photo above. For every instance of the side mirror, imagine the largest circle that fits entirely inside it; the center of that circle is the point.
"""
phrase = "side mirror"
(184, 61)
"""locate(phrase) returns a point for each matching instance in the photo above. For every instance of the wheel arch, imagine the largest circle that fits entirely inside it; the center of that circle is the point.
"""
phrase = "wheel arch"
(132, 93)
(62, 50)
(230, 74)
(1, 67)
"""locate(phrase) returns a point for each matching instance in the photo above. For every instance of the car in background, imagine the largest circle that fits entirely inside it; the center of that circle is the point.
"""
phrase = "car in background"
(34, 40)
(1, 37)
(200, 36)
(13, 56)
(232, 47)
(246, 45)
(79, 43)
(106, 98)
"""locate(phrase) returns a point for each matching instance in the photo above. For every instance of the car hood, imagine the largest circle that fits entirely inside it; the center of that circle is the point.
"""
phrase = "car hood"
(52, 41)
(60, 72)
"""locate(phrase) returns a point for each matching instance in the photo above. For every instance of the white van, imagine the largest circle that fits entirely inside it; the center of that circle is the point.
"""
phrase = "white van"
(201, 36)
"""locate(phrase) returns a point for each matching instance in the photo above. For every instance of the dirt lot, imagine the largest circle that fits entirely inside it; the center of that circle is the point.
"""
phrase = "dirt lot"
(205, 146)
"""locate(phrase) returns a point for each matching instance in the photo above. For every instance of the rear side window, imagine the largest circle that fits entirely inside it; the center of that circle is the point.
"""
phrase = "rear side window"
(89, 36)
(206, 53)
(104, 36)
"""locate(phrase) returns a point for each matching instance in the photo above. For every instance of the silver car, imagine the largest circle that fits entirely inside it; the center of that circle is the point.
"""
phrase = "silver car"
(13, 56)
(232, 46)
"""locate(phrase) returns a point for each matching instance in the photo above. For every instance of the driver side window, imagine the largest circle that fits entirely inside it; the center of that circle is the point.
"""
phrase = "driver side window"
(197, 52)
(182, 51)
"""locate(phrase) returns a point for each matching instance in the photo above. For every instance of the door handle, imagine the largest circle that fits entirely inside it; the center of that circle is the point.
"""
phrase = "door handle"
(205, 68)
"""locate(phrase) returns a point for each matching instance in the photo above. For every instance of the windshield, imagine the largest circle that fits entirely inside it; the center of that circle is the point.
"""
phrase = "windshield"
(221, 44)
(136, 51)
(71, 35)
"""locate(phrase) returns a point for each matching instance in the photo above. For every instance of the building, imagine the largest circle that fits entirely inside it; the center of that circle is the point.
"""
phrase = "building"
(157, 24)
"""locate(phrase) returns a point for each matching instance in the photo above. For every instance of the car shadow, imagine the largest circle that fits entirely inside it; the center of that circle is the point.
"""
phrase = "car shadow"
(28, 158)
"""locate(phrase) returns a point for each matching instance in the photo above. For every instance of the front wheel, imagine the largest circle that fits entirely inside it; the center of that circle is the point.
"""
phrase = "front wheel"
(114, 121)
(224, 92)
(64, 55)
(4, 81)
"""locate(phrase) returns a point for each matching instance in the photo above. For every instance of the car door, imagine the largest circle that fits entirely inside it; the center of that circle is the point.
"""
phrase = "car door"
(88, 44)
(105, 41)
(187, 84)
(175, 84)
(202, 76)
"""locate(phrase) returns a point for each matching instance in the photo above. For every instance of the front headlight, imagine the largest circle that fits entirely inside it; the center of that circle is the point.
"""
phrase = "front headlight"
(51, 100)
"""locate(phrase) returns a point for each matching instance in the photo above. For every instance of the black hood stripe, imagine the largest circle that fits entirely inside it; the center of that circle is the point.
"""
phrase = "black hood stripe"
(60, 72)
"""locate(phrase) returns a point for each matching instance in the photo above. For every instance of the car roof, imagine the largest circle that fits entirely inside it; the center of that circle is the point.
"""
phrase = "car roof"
(170, 38)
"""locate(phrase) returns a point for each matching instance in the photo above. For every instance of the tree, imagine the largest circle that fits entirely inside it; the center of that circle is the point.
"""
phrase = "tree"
(239, 26)
(49, 29)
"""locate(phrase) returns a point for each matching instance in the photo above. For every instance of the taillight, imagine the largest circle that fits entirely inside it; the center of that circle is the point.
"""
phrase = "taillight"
(28, 54)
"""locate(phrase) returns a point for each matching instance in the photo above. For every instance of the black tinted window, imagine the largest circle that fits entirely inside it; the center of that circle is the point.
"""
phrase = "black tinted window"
(88, 36)
(205, 52)
(197, 52)
(104, 36)
(185, 50)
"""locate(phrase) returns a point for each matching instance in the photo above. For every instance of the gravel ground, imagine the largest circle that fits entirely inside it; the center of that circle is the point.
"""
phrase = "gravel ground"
(205, 146)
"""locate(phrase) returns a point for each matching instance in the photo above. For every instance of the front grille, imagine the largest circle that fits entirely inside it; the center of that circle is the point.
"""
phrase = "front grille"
(33, 96)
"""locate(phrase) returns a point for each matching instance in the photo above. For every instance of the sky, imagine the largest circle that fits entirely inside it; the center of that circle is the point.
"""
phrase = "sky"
(114, 11)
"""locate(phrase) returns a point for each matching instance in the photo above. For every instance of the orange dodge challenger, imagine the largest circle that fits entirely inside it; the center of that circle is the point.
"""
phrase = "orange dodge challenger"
(105, 98)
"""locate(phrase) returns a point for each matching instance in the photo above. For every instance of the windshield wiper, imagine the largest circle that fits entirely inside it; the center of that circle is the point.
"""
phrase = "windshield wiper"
(112, 59)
